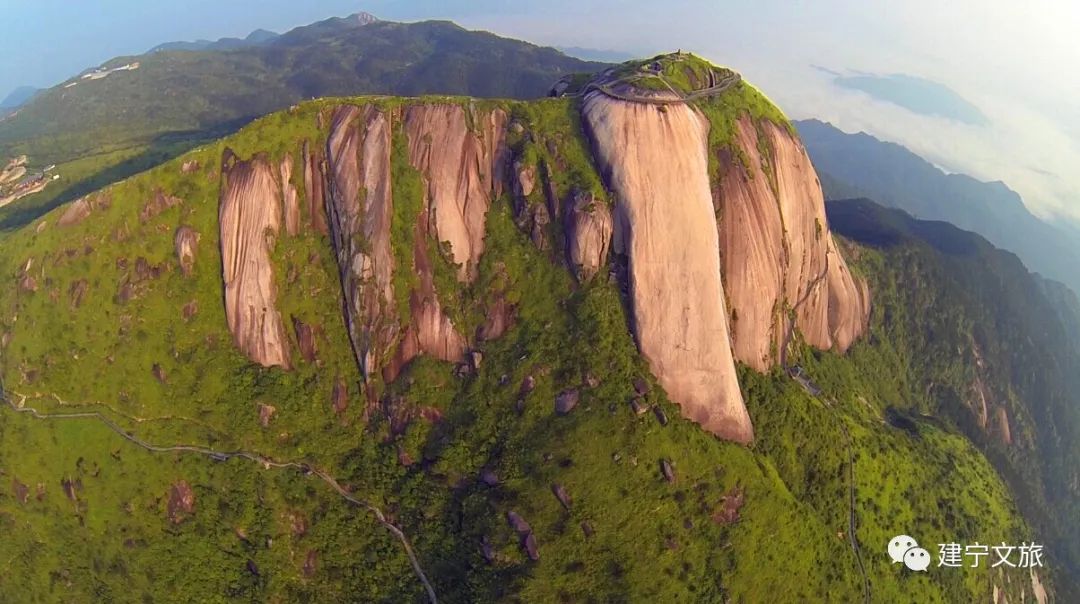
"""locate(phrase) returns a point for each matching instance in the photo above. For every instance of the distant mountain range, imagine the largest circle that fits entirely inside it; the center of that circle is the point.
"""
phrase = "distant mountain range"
(18, 97)
(259, 36)
(200, 87)
(859, 165)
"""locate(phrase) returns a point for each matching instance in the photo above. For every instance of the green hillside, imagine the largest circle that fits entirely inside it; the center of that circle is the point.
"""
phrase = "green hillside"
(99, 131)
(110, 324)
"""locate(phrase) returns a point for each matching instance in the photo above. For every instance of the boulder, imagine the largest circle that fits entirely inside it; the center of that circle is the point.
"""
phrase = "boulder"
(81, 208)
(189, 167)
(305, 339)
(518, 523)
(660, 415)
(489, 477)
(266, 413)
(560, 493)
(157, 204)
(588, 234)
(566, 401)
(340, 397)
(667, 470)
(186, 242)
(499, 315)
(528, 545)
(311, 563)
(190, 310)
(181, 501)
(77, 291)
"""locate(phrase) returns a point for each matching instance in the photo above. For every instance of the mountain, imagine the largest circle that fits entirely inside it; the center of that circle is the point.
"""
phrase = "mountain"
(255, 38)
(18, 97)
(487, 350)
(854, 165)
(994, 348)
(208, 90)
(126, 120)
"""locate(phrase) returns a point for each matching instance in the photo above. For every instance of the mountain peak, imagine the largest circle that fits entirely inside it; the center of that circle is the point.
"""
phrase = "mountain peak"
(364, 18)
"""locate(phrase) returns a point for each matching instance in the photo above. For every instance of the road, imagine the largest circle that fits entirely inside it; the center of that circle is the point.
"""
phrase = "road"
(263, 460)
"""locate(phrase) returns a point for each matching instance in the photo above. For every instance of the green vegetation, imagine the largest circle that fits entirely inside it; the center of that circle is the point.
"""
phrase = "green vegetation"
(99, 132)
(418, 451)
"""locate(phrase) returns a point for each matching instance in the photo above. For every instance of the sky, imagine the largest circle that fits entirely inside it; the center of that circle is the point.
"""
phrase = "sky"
(1014, 61)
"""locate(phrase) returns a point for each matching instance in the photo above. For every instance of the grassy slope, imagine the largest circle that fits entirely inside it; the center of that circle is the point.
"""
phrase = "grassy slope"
(653, 541)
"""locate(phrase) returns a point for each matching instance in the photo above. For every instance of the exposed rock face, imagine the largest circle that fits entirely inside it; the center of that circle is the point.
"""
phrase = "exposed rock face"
(1004, 431)
(158, 204)
(186, 243)
(588, 235)
(778, 251)
(463, 172)
(499, 316)
(360, 208)
(249, 215)
(566, 401)
(81, 208)
(314, 182)
(190, 310)
(677, 297)
(181, 502)
(340, 397)
(305, 339)
(292, 199)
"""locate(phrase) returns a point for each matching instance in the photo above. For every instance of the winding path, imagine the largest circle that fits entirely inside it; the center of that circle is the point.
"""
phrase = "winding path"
(263, 460)
(852, 518)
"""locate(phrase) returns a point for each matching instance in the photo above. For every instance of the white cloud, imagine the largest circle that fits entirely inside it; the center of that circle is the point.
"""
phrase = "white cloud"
(1015, 61)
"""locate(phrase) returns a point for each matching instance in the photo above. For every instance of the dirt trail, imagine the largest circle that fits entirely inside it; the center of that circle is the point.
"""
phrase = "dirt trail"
(263, 460)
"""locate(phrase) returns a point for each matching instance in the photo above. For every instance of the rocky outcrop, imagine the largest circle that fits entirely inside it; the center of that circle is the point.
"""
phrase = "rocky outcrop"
(81, 208)
(1001, 423)
(360, 207)
(181, 502)
(314, 189)
(186, 243)
(462, 170)
(305, 340)
(249, 216)
(588, 234)
(292, 198)
(657, 165)
(77, 292)
(777, 250)
(158, 204)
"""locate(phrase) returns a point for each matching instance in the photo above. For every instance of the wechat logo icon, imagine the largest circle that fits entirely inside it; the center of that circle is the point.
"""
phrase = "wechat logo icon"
(905, 549)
